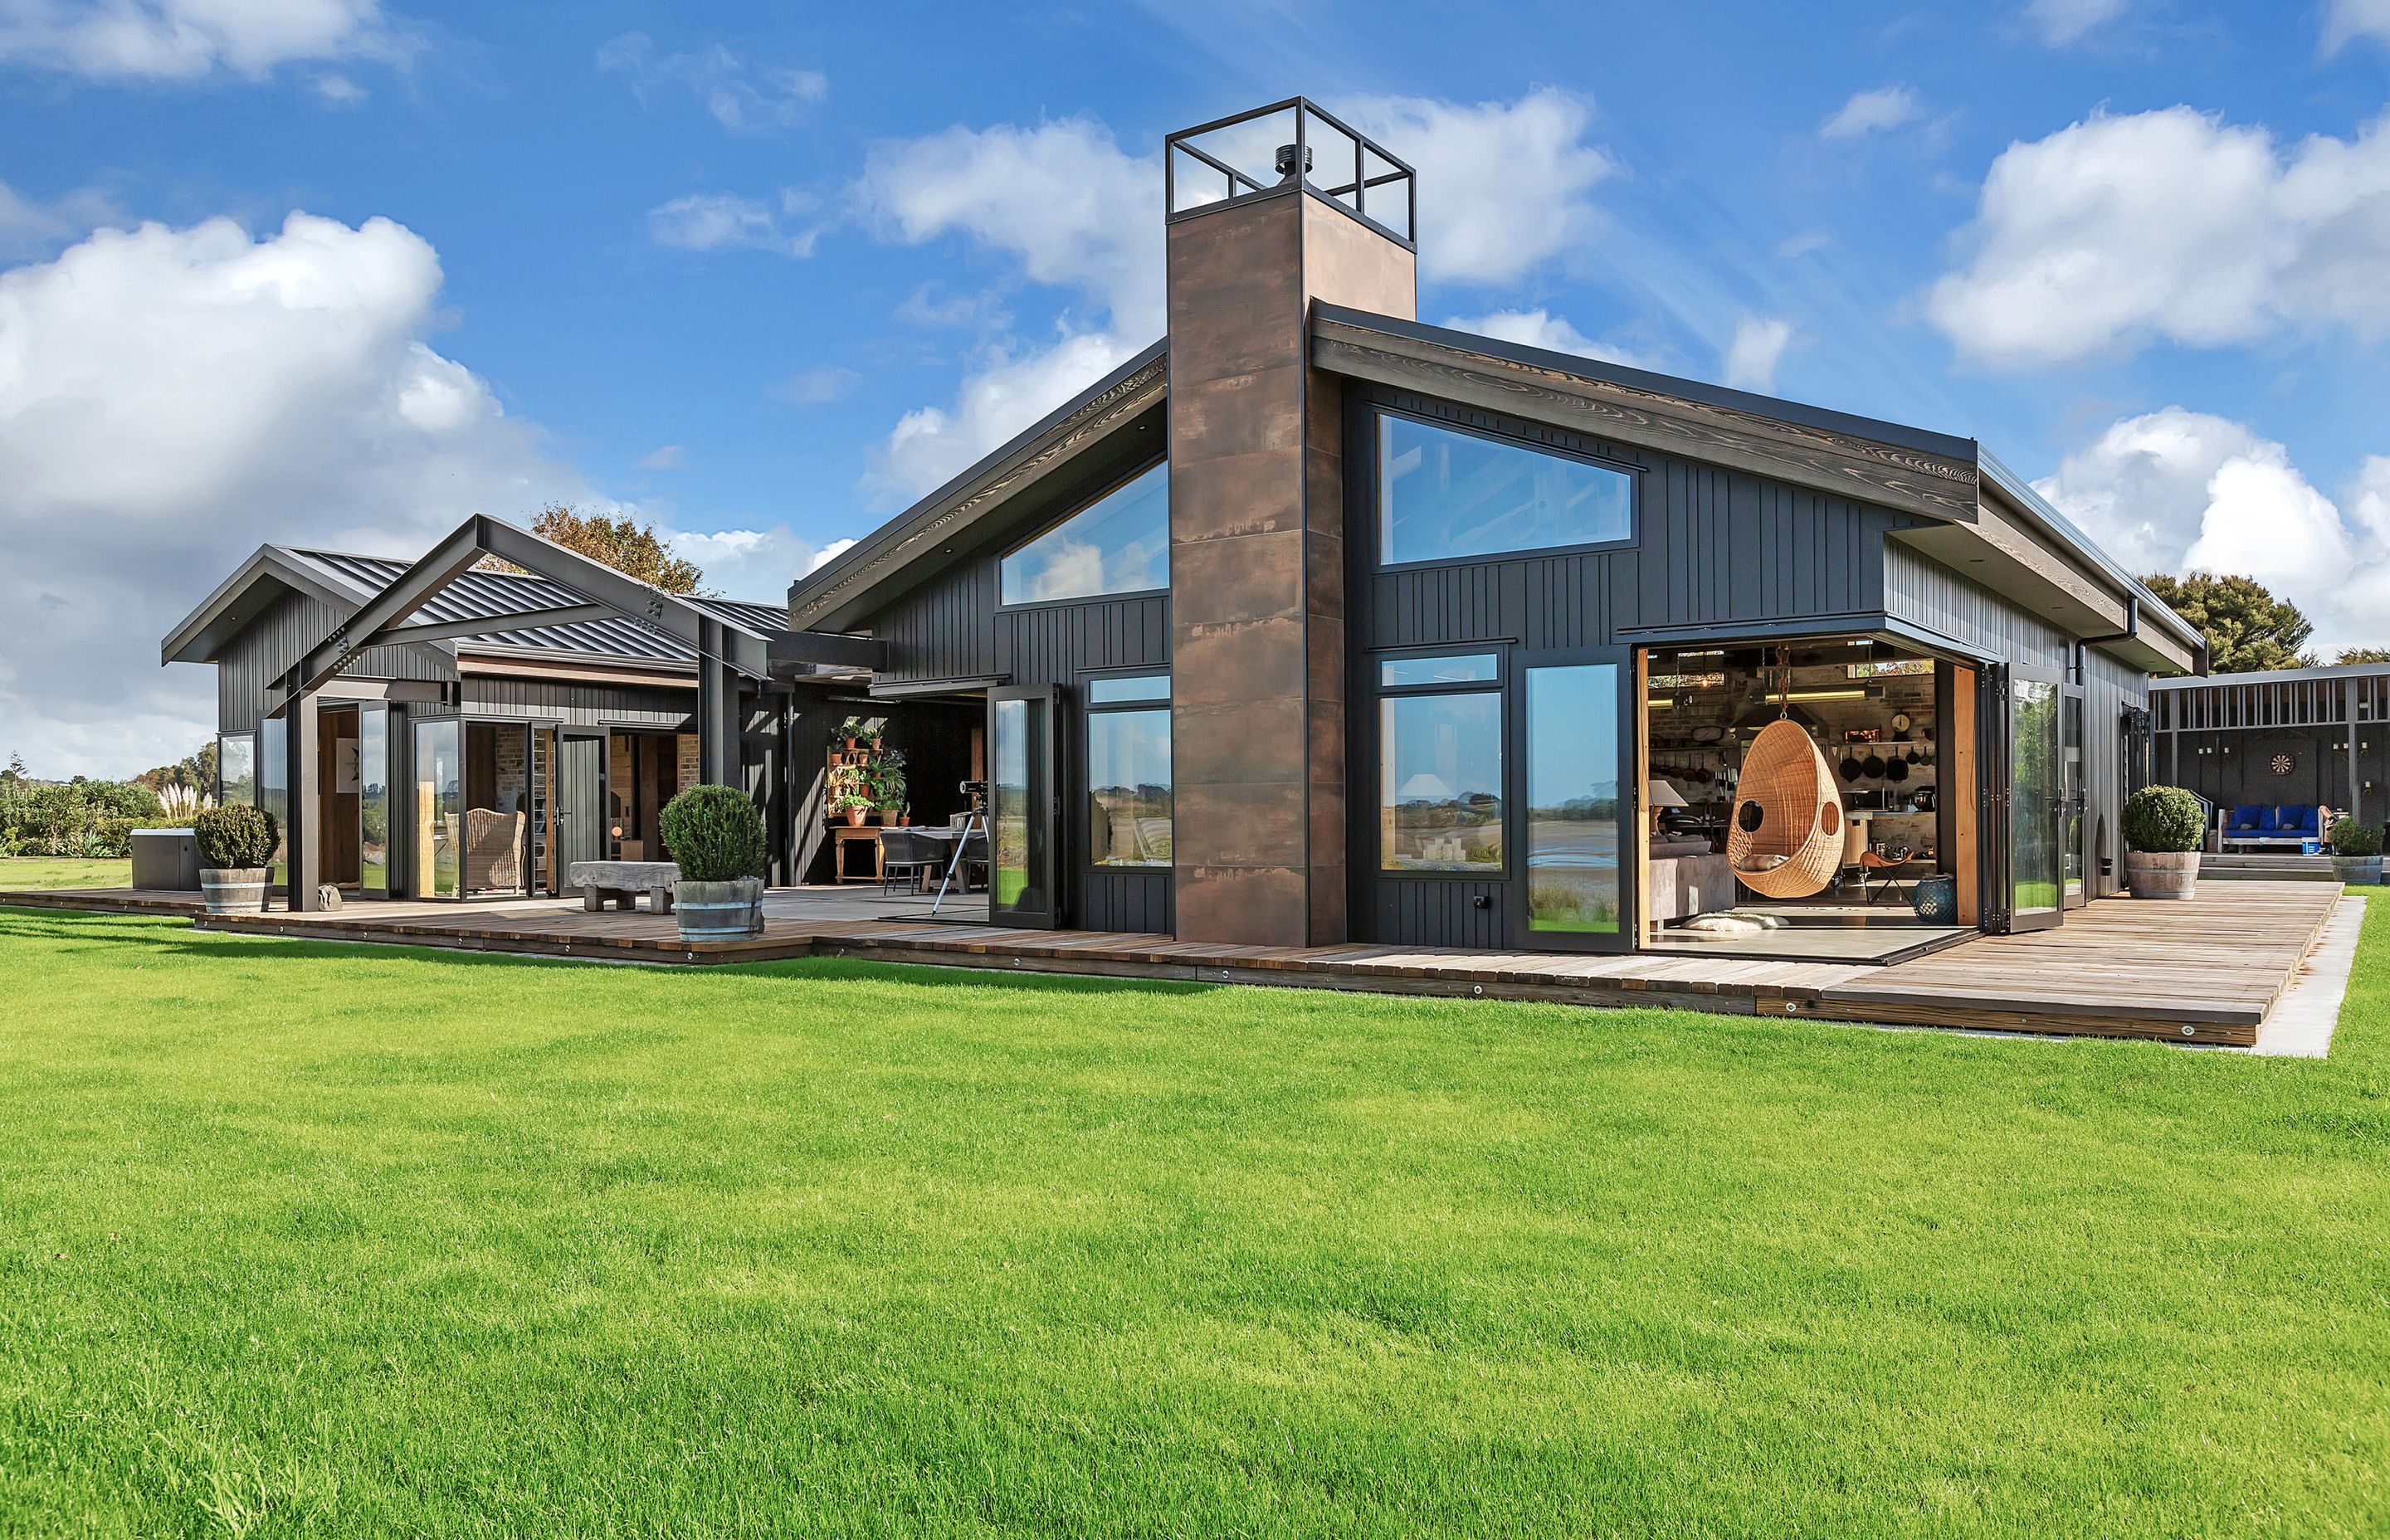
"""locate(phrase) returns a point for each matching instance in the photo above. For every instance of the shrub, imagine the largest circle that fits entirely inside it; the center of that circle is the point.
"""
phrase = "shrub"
(2351, 838)
(2163, 820)
(714, 834)
(235, 838)
(72, 818)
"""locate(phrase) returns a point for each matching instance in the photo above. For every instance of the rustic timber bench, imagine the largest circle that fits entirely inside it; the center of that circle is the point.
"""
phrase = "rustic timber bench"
(623, 883)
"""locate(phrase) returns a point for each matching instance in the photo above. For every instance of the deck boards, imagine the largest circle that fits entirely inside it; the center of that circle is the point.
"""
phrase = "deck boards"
(2206, 970)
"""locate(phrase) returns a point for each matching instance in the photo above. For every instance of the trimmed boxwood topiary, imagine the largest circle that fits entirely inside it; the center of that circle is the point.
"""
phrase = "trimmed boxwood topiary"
(235, 838)
(2351, 838)
(714, 834)
(2163, 820)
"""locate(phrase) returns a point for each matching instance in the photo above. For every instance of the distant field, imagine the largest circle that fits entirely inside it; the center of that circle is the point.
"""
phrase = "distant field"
(25, 875)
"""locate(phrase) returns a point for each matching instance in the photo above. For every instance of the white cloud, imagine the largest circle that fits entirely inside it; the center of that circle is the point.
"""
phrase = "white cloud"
(1062, 198)
(170, 399)
(742, 98)
(827, 554)
(1076, 211)
(2170, 224)
(1004, 395)
(1793, 247)
(1758, 346)
(1540, 328)
(2347, 19)
(30, 228)
(711, 222)
(753, 565)
(2175, 490)
(337, 90)
(1875, 112)
(2062, 23)
(662, 457)
(1503, 186)
(188, 39)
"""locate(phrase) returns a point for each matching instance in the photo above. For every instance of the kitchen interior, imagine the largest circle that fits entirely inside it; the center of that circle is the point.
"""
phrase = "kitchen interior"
(1880, 883)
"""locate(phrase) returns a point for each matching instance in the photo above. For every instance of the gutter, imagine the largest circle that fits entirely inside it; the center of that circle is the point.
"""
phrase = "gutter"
(2051, 523)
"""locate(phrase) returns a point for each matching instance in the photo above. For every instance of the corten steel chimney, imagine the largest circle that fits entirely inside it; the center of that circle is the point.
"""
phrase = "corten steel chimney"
(1257, 521)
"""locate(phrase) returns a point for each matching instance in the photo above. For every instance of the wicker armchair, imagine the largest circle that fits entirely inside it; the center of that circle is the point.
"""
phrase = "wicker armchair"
(493, 851)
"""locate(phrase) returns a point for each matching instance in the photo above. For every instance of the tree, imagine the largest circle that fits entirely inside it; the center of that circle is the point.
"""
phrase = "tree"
(623, 544)
(196, 770)
(2247, 628)
(2363, 655)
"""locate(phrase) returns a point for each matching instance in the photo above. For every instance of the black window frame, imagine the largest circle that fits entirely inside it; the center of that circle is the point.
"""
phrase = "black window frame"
(1005, 552)
(1499, 686)
(1089, 708)
(1376, 509)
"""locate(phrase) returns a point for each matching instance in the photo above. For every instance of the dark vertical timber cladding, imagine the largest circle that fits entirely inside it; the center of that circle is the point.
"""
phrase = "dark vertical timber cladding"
(1713, 547)
(249, 667)
(1056, 644)
(579, 705)
(944, 629)
(1936, 599)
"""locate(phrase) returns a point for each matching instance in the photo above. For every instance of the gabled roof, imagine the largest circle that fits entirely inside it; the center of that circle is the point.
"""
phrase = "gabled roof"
(839, 594)
(345, 582)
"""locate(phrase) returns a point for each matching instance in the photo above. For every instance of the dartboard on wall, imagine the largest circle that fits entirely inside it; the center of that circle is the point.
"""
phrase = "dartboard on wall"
(2282, 765)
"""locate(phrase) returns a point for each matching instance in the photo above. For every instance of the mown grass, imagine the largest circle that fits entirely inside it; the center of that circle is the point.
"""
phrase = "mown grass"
(305, 1239)
(31, 874)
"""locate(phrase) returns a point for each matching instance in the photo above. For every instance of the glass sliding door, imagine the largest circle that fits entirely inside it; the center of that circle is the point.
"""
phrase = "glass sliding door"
(1021, 807)
(2072, 799)
(237, 770)
(439, 809)
(2036, 801)
(1576, 807)
(373, 800)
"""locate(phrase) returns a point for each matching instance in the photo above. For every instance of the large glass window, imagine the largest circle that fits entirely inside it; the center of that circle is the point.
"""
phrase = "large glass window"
(1119, 544)
(237, 770)
(1573, 812)
(273, 794)
(1440, 796)
(1445, 494)
(439, 809)
(1128, 788)
(2035, 799)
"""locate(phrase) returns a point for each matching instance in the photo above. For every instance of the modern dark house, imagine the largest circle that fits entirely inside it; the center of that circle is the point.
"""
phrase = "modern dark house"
(1409, 630)
(1312, 623)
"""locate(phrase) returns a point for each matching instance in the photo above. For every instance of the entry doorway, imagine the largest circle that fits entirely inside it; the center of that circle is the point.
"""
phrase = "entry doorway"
(352, 798)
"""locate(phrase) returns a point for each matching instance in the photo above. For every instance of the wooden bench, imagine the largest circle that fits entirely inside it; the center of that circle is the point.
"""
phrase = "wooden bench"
(622, 882)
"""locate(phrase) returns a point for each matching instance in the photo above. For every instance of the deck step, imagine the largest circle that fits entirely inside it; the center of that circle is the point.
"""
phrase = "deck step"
(2249, 874)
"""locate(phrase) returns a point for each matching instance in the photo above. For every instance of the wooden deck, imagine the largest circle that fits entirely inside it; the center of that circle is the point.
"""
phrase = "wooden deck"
(2206, 971)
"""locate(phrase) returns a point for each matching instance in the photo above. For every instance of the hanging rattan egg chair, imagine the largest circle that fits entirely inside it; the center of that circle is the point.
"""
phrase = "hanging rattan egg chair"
(1785, 840)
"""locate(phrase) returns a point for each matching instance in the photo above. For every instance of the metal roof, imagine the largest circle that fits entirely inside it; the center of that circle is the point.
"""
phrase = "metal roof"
(2275, 676)
(481, 595)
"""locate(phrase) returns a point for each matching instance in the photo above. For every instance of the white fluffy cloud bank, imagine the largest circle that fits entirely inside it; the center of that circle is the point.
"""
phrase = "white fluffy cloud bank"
(170, 399)
(2175, 490)
(2170, 225)
(188, 39)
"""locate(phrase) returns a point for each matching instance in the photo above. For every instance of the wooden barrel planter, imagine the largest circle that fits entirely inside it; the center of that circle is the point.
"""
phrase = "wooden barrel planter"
(1786, 837)
(2162, 874)
(719, 911)
(236, 890)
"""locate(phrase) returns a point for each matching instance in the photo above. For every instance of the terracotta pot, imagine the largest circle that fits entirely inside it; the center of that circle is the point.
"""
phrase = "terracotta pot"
(2162, 874)
(855, 817)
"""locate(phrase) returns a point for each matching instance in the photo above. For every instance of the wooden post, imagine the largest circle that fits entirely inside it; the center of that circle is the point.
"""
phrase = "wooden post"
(1646, 926)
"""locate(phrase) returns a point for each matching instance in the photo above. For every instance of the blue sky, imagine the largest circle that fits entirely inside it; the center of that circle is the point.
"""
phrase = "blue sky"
(764, 274)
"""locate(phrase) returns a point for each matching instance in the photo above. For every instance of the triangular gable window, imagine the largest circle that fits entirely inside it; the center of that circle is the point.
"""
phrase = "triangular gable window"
(1119, 544)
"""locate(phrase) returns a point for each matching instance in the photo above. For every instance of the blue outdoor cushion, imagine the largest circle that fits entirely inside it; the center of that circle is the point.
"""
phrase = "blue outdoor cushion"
(2298, 820)
(2248, 817)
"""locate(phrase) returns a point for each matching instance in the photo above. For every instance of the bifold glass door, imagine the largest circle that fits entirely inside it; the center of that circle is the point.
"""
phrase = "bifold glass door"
(439, 809)
(1024, 806)
(373, 799)
(2035, 800)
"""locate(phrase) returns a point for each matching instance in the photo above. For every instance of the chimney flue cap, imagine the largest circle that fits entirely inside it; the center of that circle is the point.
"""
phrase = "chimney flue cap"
(1285, 154)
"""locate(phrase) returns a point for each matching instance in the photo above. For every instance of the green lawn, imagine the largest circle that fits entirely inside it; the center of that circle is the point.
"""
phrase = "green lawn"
(300, 1240)
(26, 874)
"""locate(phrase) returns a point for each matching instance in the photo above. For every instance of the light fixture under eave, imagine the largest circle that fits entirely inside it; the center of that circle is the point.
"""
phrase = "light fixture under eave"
(1858, 692)
(1662, 703)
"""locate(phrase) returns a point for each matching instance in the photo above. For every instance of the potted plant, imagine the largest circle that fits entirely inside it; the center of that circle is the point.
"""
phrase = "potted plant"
(717, 837)
(2163, 828)
(2357, 852)
(237, 845)
(854, 804)
(886, 786)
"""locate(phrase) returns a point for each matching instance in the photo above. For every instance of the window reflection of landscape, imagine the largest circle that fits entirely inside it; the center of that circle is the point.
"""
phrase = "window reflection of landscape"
(1440, 806)
(1573, 812)
(1119, 544)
